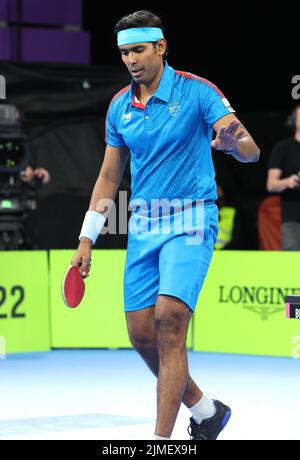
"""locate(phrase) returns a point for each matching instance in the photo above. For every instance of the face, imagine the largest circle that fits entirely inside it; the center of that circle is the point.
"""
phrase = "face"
(143, 60)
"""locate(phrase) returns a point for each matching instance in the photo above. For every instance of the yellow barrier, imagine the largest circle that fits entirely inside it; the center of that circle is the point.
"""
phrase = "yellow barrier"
(241, 308)
(24, 302)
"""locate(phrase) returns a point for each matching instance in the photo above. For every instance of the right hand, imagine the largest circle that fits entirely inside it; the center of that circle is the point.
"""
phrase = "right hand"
(82, 258)
(27, 174)
(293, 181)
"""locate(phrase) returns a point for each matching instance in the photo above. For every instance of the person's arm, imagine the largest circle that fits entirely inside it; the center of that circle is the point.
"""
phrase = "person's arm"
(233, 138)
(276, 184)
(109, 179)
(103, 196)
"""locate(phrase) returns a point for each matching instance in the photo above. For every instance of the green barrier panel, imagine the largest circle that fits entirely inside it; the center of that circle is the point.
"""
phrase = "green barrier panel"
(241, 307)
(24, 302)
(99, 321)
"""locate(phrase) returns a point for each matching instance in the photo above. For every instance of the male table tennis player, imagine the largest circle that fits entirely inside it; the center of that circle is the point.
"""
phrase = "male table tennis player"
(164, 120)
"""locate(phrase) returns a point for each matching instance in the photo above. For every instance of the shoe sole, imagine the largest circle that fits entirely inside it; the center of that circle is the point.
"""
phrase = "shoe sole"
(225, 419)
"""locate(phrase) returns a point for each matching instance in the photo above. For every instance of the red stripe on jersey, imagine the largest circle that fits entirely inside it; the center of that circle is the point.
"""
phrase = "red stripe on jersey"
(138, 104)
(203, 80)
(122, 91)
(116, 96)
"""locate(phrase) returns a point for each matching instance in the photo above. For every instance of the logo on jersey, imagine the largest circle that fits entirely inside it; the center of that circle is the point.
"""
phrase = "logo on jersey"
(127, 116)
(174, 108)
(227, 104)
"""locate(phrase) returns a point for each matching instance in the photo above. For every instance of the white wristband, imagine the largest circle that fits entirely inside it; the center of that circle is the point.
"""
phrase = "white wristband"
(92, 225)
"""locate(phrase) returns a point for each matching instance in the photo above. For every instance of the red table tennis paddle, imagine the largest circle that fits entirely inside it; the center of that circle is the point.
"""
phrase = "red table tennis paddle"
(72, 287)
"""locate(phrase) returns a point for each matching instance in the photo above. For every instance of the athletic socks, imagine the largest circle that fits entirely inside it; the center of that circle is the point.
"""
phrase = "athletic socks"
(204, 408)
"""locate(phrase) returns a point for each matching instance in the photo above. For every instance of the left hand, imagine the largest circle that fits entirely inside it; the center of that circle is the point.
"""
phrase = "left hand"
(227, 137)
(43, 174)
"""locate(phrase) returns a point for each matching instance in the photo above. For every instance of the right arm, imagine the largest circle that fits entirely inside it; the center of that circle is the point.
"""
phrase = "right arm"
(276, 184)
(109, 179)
(103, 196)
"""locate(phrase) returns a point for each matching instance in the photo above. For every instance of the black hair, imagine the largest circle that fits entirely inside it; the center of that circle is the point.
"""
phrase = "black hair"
(142, 18)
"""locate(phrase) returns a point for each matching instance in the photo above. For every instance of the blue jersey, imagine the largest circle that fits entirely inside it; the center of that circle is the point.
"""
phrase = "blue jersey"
(170, 138)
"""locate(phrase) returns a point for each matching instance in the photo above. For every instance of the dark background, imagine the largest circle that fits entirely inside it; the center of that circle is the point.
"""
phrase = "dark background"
(251, 53)
(249, 50)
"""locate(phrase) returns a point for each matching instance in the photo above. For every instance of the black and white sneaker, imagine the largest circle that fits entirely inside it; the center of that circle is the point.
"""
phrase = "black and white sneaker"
(210, 428)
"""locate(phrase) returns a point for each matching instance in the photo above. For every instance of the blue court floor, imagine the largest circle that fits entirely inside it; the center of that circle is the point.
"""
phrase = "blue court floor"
(111, 394)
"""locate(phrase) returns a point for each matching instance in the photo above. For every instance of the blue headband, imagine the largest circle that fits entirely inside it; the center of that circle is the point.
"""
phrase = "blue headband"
(139, 35)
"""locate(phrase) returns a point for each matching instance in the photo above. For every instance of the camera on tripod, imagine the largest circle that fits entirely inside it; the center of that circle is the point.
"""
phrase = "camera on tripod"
(16, 196)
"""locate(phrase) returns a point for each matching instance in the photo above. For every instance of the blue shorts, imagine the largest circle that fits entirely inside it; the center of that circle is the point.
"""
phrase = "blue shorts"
(172, 262)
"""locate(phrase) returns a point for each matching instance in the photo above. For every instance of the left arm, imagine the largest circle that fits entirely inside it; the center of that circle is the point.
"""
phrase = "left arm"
(233, 138)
